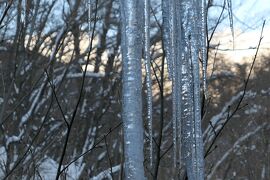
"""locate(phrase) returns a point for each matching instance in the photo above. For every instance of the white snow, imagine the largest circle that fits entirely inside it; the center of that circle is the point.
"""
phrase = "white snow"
(1, 100)
(16, 89)
(2, 48)
(101, 156)
(253, 109)
(48, 169)
(14, 138)
(107, 173)
(3, 160)
(88, 74)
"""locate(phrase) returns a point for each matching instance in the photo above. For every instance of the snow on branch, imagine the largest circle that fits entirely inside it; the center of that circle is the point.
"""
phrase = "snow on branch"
(88, 74)
(106, 174)
(234, 148)
(220, 118)
(27, 115)
(14, 138)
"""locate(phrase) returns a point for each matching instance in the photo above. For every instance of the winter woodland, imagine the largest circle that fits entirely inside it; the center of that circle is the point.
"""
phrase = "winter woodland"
(129, 89)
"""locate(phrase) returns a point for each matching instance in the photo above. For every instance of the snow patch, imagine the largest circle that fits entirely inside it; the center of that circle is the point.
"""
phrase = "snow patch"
(101, 156)
(48, 170)
(253, 109)
(107, 173)
(2, 48)
(13, 139)
(1, 100)
(3, 160)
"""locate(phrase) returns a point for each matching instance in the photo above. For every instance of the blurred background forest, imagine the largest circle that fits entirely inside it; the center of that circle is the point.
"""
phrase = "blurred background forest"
(44, 46)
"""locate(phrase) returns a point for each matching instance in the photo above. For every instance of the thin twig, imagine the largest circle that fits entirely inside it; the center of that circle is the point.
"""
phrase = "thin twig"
(59, 171)
(55, 96)
(20, 160)
(5, 13)
(241, 98)
(93, 147)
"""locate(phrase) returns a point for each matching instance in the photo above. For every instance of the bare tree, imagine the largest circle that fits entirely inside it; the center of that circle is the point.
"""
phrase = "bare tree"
(78, 102)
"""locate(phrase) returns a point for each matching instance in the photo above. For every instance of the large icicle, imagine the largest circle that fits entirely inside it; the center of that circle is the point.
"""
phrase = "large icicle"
(184, 33)
(178, 79)
(89, 17)
(187, 111)
(148, 76)
(203, 47)
(187, 95)
(198, 163)
(173, 49)
(166, 34)
(192, 137)
(170, 37)
(168, 14)
(229, 3)
(131, 47)
(172, 59)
